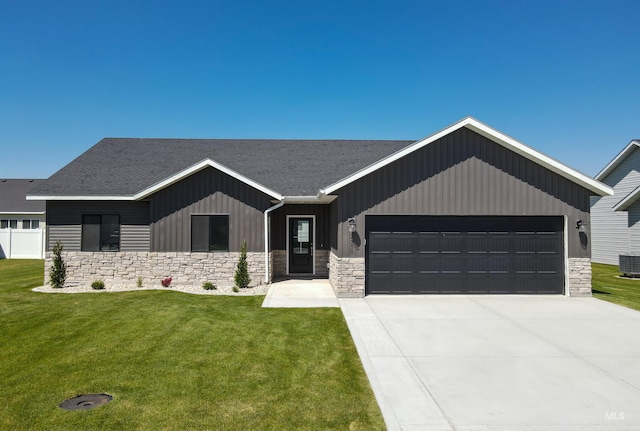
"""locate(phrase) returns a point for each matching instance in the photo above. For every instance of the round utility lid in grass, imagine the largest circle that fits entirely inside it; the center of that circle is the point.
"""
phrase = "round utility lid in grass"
(85, 401)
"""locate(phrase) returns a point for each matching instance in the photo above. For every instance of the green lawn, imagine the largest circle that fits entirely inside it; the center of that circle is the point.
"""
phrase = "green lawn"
(607, 285)
(174, 361)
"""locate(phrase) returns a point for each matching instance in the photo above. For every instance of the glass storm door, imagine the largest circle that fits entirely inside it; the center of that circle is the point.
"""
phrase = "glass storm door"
(301, 245)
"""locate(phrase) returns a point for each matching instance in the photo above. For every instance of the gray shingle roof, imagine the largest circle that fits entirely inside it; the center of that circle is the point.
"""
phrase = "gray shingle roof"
(126, 166)
(13, 193)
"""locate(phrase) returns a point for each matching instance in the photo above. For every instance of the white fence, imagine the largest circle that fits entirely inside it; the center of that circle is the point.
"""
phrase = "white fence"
(22, 244)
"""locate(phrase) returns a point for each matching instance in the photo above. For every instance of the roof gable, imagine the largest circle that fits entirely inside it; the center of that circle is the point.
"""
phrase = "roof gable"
(617, 160)
(132, 169)
(128, 169)
(492, 134)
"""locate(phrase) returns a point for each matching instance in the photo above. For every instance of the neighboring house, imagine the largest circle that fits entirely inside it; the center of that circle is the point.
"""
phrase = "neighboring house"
(614, 219)
(22, 222)
(465, 210)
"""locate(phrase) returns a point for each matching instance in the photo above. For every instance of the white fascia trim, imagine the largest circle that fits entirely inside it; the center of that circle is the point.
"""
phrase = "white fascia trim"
(79, 198)
(24, 213)
(629, 200)
(617, 160)
(165, 183)
(198, 167)
(318, 199)
(496, 136)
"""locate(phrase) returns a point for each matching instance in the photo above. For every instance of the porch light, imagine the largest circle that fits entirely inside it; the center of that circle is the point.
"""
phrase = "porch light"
(581, 226)
(352, 225)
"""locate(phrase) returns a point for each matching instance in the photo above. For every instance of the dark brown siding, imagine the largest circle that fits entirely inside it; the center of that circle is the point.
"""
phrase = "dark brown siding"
(279, 224)
(207, 192)
(463, 173)
(64, 222)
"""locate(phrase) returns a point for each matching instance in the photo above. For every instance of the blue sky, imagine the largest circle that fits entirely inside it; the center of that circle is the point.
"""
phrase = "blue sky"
(560, 76)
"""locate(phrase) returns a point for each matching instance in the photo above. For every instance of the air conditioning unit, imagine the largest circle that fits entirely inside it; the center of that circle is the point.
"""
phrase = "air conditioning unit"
(629, 264)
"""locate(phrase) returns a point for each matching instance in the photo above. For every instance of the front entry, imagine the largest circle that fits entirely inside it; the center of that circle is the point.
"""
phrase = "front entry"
(301, 245)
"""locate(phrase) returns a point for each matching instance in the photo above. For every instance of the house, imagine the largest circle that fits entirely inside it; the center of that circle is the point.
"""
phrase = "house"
(465, 210)
(614, 219)
(22, 222)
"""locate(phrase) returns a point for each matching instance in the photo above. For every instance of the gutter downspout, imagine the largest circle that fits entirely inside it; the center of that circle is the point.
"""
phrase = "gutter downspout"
(266, 239)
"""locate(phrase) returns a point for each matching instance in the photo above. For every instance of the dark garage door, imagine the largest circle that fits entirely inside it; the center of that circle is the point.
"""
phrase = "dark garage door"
(475, 255)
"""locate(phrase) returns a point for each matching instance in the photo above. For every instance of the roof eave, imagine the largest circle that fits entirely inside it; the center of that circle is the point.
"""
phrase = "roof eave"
(23, 212)
(79, 198)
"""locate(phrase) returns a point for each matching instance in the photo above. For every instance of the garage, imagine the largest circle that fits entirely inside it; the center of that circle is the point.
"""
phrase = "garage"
(464, 255)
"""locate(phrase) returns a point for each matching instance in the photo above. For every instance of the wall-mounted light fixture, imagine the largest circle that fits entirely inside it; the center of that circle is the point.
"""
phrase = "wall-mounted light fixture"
(352, 225)
(581, 226)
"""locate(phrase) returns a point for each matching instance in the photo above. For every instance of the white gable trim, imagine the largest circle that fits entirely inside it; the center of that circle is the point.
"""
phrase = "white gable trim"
(166, 183)
(629, 200)
(79, 198)
(617, 160)
(494, 135)
(198, 167)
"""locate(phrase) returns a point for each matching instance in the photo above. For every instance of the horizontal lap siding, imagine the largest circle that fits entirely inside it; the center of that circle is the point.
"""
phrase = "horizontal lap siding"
(613, 232)
(463, 173)
(207, 192)
(64, 222)
(135, 238)
(68, 235)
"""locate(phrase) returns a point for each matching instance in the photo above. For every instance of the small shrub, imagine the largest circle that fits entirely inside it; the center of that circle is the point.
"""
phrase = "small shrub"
(139, 282)
(207, 285)
(242, 278)
(58, 270)
(97, 285)
(235, 289)
(166, 282)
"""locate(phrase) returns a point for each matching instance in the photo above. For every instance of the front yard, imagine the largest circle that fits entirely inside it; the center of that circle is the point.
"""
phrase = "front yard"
(609, 286)
(174, 361)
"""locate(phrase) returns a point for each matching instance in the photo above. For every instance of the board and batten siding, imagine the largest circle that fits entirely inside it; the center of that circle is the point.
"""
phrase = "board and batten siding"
(616, 232)
(64, 222)
(462, 173)
(278, 224)
(208, 191)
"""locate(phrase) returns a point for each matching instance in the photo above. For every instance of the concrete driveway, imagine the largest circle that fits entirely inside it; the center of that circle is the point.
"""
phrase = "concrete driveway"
(499, 362)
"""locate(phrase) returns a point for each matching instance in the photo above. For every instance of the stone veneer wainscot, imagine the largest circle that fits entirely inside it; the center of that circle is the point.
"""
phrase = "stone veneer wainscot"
(346, 275)
(189, 269)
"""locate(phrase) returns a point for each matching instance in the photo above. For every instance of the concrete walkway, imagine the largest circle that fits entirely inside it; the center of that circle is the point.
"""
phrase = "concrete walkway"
(499, 363)
(306, 293)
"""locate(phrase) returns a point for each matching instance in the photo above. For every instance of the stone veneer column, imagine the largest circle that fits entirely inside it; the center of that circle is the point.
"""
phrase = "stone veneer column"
(346, 275)
(580, 276)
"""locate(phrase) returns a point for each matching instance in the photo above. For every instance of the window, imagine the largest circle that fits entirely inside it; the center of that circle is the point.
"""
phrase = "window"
(30, 224)
(8, 224)
(210, 233)
(100, 233)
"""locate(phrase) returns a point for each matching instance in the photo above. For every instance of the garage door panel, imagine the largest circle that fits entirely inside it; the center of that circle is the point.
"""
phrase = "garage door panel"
(402, 262)
(442, 254)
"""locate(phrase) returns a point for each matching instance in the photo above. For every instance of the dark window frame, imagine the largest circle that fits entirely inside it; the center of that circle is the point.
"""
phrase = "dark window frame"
(99, 232)
(210, 233)
(30, 224)
(9, 223)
